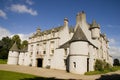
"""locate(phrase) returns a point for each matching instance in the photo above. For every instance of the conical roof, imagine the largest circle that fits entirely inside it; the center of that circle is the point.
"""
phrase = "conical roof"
(79, 35)
(14, 47)
(94, 25)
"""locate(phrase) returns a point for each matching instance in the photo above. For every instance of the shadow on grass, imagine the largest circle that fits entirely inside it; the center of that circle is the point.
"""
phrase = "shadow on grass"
(110, 77)
(42, 78)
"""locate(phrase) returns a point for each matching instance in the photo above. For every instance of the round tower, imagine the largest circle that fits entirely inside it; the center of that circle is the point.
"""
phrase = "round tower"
(95, 30)
(78, 52)
(13, 55)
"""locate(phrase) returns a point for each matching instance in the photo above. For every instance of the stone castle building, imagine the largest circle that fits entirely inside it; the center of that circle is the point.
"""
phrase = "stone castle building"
(73, 49)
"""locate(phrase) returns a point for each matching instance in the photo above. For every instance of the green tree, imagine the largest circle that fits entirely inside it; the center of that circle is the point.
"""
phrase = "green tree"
(5, 45)
(17, 39)
(116, 62)
(24, 44)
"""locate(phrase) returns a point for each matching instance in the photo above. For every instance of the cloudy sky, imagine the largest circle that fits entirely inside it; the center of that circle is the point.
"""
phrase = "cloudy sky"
(24, 16)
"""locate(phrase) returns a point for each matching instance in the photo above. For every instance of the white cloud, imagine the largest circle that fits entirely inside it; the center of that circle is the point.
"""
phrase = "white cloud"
(114, 49)
(3, 14)
(4, 32)
(23, 9)
(112, 41)
(30, 2)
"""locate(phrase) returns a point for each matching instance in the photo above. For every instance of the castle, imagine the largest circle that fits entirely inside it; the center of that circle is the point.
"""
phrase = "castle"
(74, 49)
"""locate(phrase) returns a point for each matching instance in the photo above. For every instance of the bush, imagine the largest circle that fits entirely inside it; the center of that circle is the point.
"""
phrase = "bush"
(98, 65)
(3, 61)
(101, 65)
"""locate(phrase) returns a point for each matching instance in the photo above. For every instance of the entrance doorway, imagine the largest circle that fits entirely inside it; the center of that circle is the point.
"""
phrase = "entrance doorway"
(39, 62)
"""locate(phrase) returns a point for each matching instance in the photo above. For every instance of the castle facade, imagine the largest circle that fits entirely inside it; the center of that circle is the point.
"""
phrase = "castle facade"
(74, 49)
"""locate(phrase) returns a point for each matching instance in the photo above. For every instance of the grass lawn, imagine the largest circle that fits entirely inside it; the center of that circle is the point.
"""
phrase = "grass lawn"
(8, 75)
(3, 61)
(113, 69)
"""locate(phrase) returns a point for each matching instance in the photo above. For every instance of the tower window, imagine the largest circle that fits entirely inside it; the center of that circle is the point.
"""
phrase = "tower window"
(74, 64)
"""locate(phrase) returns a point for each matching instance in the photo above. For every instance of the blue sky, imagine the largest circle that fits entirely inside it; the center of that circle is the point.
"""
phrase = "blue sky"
(24, 16)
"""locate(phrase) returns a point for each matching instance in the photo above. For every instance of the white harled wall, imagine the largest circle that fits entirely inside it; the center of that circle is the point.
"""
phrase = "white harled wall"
(13, 57)
(78, 57)
(21, 58)
(58, 60)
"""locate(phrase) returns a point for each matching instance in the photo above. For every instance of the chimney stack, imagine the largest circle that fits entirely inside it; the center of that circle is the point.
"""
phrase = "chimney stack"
(81, 17)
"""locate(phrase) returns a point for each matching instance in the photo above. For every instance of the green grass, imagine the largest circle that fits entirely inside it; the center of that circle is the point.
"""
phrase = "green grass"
(8, 75)
(3, 61)
(115, 68)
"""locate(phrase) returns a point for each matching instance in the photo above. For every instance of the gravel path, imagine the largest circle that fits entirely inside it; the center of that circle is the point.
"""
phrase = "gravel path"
(51, 72)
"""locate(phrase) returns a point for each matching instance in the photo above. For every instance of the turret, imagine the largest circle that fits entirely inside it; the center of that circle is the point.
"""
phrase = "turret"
(38, 30)
(13, 55)
(65, 22)
(78, 52)
(95, 30)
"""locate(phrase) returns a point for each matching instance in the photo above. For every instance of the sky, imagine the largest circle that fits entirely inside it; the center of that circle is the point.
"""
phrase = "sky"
(23, 17)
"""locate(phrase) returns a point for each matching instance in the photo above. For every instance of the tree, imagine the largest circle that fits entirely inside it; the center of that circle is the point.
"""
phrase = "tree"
(116, 62)
(17, 39)
(5, 45)
(24, 44)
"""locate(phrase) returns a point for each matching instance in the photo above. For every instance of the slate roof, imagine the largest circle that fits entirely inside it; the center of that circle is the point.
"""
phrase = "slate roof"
(14, 47)
(47, 31)
(65, 45)
(25, 49)
(79, 35)
(56, 29)
(94, 25)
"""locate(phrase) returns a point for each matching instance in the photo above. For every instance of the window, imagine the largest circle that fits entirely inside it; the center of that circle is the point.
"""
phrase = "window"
(37, 52)
(37, 47)
(31, 48)
(52, 47)
(44, 45)
(52, 51)
(31, 54)
(65, 51)
(44, 52)
(74, 64)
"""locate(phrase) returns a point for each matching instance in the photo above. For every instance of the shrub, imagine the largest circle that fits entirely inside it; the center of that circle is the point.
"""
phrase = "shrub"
(101, 65)
(98, 65)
